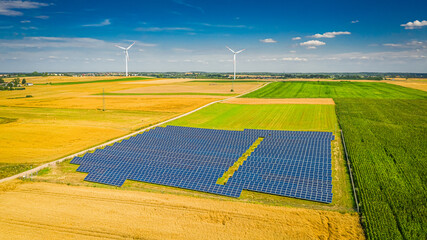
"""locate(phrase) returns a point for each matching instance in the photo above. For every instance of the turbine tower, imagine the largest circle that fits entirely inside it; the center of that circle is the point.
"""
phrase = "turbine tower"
(126, 55)
(234, 61)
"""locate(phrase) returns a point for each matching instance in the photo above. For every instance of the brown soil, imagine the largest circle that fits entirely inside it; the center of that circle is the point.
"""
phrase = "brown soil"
(51, 211)
(327, 101)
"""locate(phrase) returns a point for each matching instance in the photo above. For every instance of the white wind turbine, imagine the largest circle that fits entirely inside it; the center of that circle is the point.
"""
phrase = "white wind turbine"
(234, 61)
(126, 55)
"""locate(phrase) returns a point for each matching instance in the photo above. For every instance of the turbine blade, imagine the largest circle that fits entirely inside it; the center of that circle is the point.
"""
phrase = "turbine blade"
(120, 47)
(240, 51)
(130, 46)
(230, 49)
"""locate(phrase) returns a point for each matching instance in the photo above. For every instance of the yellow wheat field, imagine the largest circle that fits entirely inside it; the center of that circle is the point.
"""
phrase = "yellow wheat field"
(195, 87)
(412, 83)
(62, 119)
(58, 79)
(51, 211)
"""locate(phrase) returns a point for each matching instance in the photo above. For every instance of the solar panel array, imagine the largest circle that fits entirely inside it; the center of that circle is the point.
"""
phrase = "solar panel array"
(286, 163)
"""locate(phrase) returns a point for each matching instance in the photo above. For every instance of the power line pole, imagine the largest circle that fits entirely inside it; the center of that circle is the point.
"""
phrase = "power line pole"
(103, 100)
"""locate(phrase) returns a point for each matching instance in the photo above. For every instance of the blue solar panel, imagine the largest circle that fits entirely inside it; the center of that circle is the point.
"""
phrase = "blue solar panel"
(286, 163)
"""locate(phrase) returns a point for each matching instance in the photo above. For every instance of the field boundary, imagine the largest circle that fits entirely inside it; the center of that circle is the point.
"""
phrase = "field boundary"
(35, 170)
(350, 172)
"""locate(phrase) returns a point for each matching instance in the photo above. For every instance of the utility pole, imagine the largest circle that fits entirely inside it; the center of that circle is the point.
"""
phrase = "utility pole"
(103, 100)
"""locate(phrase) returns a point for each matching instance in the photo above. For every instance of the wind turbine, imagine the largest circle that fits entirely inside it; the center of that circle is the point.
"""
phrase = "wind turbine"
(234, 61)
(126, 55)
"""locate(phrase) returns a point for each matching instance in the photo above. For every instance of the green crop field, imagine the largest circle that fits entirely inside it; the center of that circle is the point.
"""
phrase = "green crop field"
(385, 128)
(386, 141)
(276, 117)
(336, 90)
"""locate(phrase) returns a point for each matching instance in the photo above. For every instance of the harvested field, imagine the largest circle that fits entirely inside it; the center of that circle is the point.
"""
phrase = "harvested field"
(57, 120)
(194, 87)
(44, 134)
(420, 85)
(257, 101)
(159, 81)
(61, 79)
(142, 103)
(46, 211)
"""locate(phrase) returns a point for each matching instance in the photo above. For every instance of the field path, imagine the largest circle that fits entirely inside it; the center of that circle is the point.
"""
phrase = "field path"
(49, 211)
(35, 170)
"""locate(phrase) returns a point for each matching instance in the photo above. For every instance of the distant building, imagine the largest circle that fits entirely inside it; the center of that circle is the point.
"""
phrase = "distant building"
(29, 84)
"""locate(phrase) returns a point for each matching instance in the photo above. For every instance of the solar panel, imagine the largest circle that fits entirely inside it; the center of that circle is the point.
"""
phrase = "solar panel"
(287, 163)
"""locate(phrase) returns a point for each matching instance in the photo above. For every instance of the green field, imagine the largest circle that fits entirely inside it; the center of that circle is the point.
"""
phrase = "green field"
(298, 117)
(294, 117)
(386, 141)
(385, 128)
(336, 90)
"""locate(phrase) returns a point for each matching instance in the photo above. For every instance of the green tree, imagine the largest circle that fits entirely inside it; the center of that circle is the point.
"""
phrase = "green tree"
(24, 81)
(1, 80)
(16, 81)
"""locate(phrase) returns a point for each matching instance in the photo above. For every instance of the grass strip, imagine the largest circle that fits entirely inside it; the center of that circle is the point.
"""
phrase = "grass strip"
(229, 173)
(7, 169)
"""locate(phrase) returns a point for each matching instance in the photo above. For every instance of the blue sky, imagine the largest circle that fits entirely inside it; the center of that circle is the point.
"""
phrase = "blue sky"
(190, 35)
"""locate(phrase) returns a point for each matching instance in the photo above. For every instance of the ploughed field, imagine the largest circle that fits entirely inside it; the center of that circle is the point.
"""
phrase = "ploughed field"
(385, 129)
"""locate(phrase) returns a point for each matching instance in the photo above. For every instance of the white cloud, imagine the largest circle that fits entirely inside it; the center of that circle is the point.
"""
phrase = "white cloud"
(312, 44)
(330, 34)
(181, 50)
(52, 42)
(7, 7)
(29, 28)
(415, 24)
(6, 27)
(106, 22)
(414, 44)
(161, 29)
(295, 59)
(223, 26)
(59, 42)
(146, 44)
(268, 40)
(25, 21)
(296, 38)
(44, 17)
(392, 45)
(292, 51)
(355, 21)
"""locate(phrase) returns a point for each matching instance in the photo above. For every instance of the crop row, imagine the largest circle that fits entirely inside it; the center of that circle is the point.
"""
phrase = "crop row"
(386, 141)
